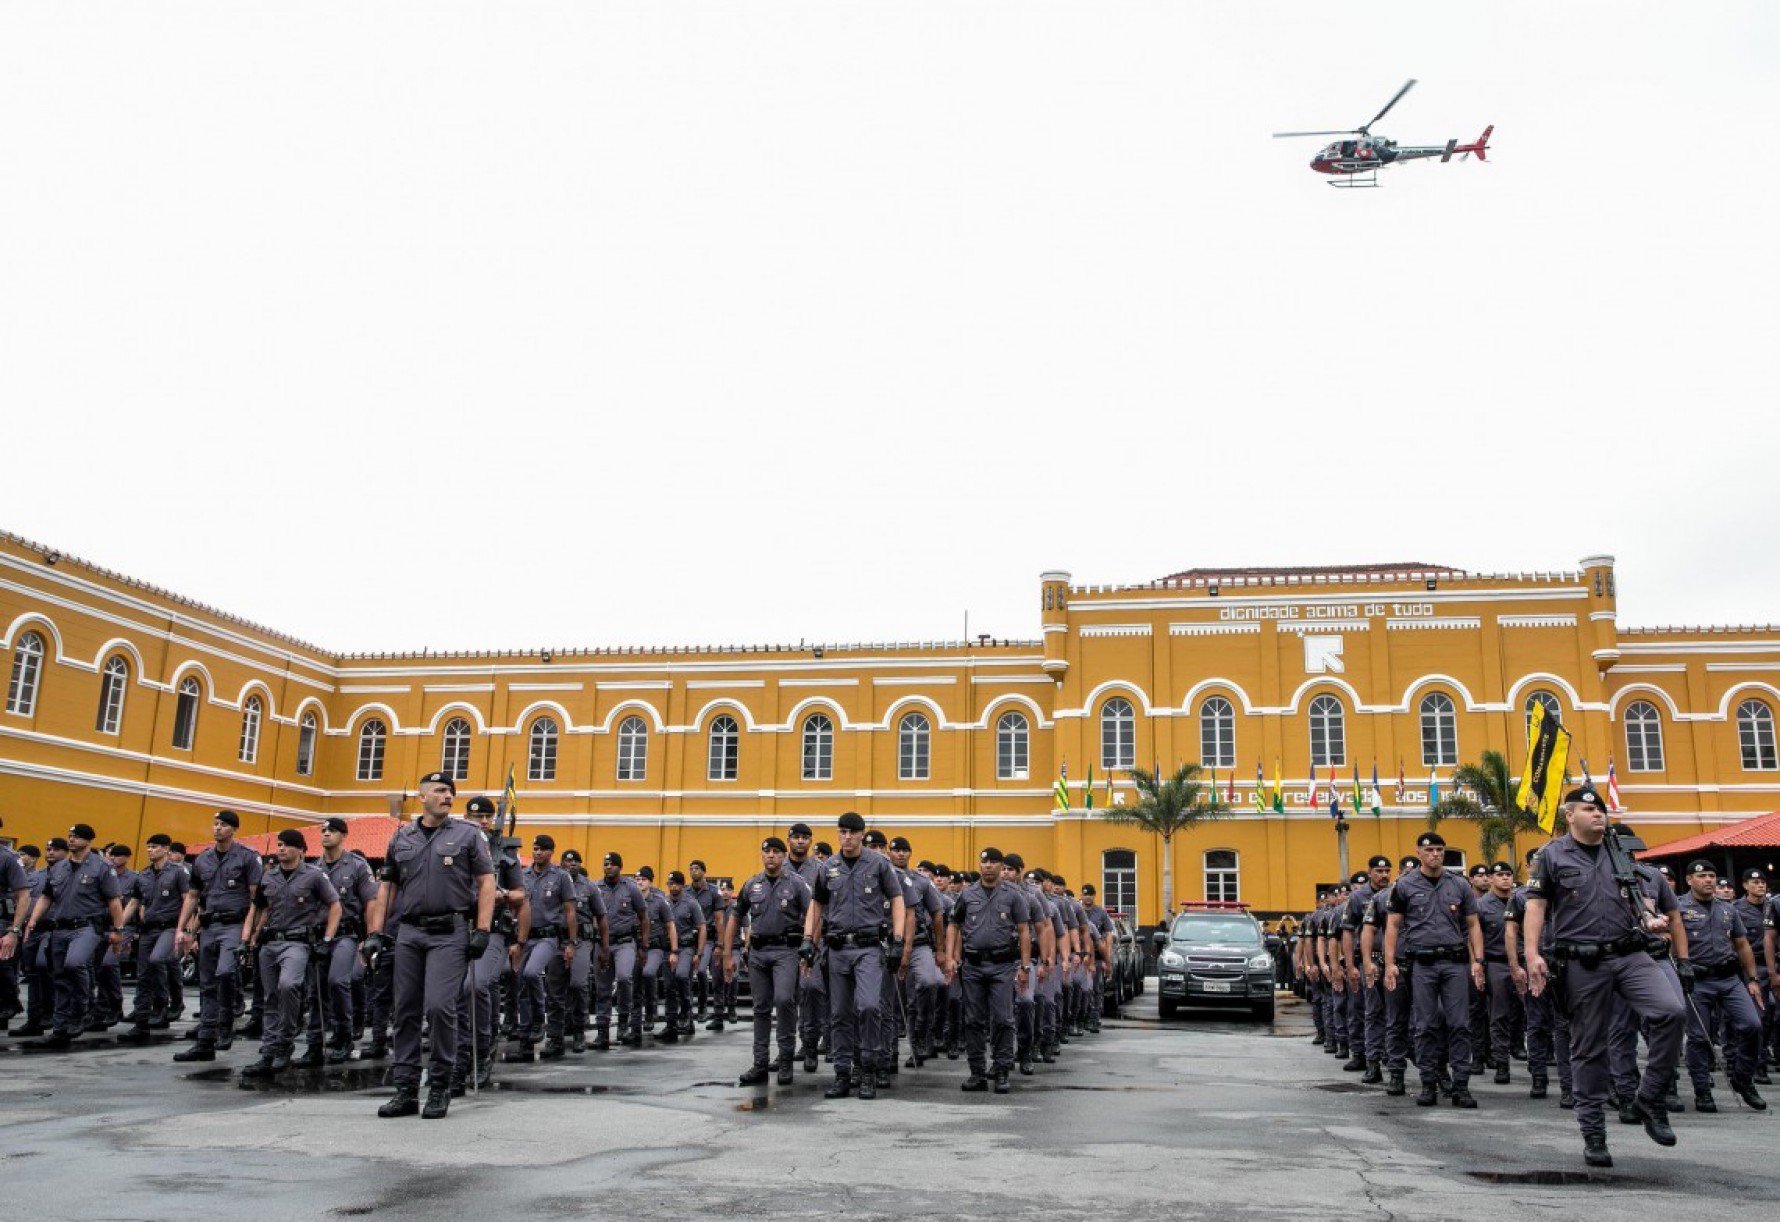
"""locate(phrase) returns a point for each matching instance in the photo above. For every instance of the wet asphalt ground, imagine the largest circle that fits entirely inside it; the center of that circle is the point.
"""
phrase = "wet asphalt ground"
(1208, 1116)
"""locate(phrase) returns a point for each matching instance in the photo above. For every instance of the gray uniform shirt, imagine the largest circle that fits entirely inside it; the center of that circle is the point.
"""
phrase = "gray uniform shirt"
(1377, 914)
(223, 880)
(354, 883)
(436, 874)
(921, 897)
(1433, 909)
(159, 894)
(1492, 915)
(989, 918)
(1711, 926)
(296, 900)
(661, 915)
(81, 892)
(856, 895)
(1353, 914)
(773, 907)
(809, 869)
(689, 918)
(1585, 904)
(550, 890)
(13, 878)
(624, 907)
(590, 906)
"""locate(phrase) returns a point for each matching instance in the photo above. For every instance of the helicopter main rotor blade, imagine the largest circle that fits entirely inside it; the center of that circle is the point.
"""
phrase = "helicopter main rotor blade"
(1346, 131)
(1398, 97)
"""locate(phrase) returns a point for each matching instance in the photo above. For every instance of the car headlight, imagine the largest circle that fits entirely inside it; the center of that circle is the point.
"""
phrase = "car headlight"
(1173, 959)
(1257, 962)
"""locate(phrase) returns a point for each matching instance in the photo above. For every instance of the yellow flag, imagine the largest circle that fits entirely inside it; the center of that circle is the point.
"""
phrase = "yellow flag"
(1541, 785)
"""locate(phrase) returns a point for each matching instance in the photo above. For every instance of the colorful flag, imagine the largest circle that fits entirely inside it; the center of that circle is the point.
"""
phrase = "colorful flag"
(1586, 778)
(1402, 785)
(1231, 797)
(1088, 789)
(1613, 801)
(1548, 750)
(1377, 802)
(1358, 793)
(509, 797)
(1279, 793)
(1260, 790)
(1109, 791)
(1062, 787)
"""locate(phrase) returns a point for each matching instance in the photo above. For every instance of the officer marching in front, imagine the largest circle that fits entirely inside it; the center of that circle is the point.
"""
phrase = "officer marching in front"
(771, 907)
(989, 947)
(356, 886)
(436, 870)
(1436, 915)
(295, 904)
(224, 879)
(1599, 953)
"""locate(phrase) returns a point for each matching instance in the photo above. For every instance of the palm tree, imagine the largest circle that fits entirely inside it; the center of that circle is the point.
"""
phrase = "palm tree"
(1167, 807)
(1499, 818)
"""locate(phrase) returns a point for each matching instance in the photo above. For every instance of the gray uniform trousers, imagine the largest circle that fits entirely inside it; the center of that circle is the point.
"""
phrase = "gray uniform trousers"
(1442, 992)
(1399, 1005)
(156, 961)
(71, 955)
(1026, 1012)
(542, 994)
(1726, 1000)
(812, 1001)
(855, 1005)
(1548, 1040)
(476, 1005)
(1373, 1007)
(1653, 992)
(907, 1009)
(218, 981)
(650, 974)
(679, 999)
(340, 971)
(615, 985)
(284, 972)
(1337, 1019)
(428, 975)
(580, 978)
(40, 985)
(773, 986)
(988, 1015)
(1503, 1002)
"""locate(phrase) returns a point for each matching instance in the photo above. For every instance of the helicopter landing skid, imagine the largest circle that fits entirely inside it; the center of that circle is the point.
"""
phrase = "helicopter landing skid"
(1365, 178)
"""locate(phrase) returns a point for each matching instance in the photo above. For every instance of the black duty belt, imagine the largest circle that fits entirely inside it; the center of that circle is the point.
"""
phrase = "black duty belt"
(1594, 952)
(153, 928)
(620, 939)
(981, 957)
(286, 935)
(207, 919)
(836, 940)
(924, 938)
(1717, 971)
(760, 941)
(350, 927)
(550, 931)
(72, 923)
(444, 922)
(1435, 954)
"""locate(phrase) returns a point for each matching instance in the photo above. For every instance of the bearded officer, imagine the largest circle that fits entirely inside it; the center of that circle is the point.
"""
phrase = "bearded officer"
(1436, 914)
(1725, 990)
(857, 902)
(989, 948)
(296, 902)
(436, 870)
(771, 907)
(1600, 945)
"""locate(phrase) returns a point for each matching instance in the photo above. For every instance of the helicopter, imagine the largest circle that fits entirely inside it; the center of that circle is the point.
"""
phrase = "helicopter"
(1356, 162)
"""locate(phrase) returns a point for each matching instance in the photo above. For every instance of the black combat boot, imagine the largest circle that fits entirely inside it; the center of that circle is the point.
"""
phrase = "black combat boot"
(312, 1058)
(1463, 1098)
(1656, 1121)
(1430, 1095)
(868, 1084)
(1704, 1102)
(976, 1082)
(203, 1050)
(1594, 1150)
(1355, 1064)
(753, 1077)
(1001, 1086)
(255, 1029)
(485, 1070)
(138, 1034)
(1502, 1073)
(459, 1083)
(405, 1103)
(669, 1036)
(1672, 1101)
(1026, 1066)
(1745, 1090)
(602, 1038)
(840, 1088)
(260, 1070)
(1540, 1082)
(1374, 1073)
(379, 1047)
(716, 1024)
(786, 1074)
(631, 1039)
(553, 1049)
(1395, 1085)
(1628, 1114)
(438, 1102)
(1567, 1099)
(577, 1043)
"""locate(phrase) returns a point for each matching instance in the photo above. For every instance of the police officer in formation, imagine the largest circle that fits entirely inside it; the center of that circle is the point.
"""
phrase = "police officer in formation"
(989, 950)
(1433, 925)
(80, 909)
(1725, 992)
(770, 912)
(294, 918)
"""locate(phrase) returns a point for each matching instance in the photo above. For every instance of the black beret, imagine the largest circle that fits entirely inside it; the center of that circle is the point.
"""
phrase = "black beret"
(480, 806)
(570, 857)
(83, 831)
(1058, 879)
(56, 842)
(178, 846)
(1358, 878)
(1532, 853)
(1479, 868)
(1585, 793)
(800, 829)
(942, 871)
(772, 844)
(852, 821)
(1667, 871)
(229, 817)
(990, 854)
(901, 844)
(674, 876)
(822, 848)
(1378, 861)
(1015, 860)
(334, 823)
(875, 839)
(117, 850)
(1088, 889)
(614, 859)
(1700, 865)
(544, 840)
(647, 872)
(292, 837)
(160, 838)
(1430, 840)
(440, 778)
(1754, 876)
(1409, 863)
(924, 864)
(30, 850)
(1503, 867)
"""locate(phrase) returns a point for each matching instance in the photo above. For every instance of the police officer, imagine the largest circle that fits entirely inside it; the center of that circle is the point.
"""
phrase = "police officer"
(1101, 925)
(1725, 990)
(688, 919)
(662, 954)
(857, 902)
(705, 983)
(436, 870)
(771, 907)
(81, 909)
(590, 925)
(1502, 1001)
(812, 997)
(156, 897)
(108, 977)
(1399, 1001)
(1436, 914)
(1548, 1032)
(15, 899)
(352, 880)
(508, 931)
(224, 879)
(921, 975)
(295, 914)
(39, 985)
(543, 972)
(1366, 1012)
(1479, 878)
(627, 920)
(1600, 932)
(989, 947)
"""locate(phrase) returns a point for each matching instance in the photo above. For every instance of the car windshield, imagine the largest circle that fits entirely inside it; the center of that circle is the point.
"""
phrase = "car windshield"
(1217, 930)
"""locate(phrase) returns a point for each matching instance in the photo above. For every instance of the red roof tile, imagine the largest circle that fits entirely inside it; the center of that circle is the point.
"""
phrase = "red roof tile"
(1761, 832)
(367, 834)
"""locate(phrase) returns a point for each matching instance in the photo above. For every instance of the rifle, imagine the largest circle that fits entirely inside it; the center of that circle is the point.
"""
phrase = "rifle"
(1621, 844)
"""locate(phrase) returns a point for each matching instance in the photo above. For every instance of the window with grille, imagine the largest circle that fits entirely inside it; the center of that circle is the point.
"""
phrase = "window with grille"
(1328, 734)
(373, 736)
(1755, 735)
(726, 749)
(454, 760)
(913, 747)
(1643, 737)
(818, 748)
(252, 711)
(114, 681)
(633, 749)
(1217, 733)
(1440, 731)
(1118, 882)
(1223, 876)
(1118, 734)
(185, 714)
(1013, 747)
(540, 759)
(306, 730)
(27, 673)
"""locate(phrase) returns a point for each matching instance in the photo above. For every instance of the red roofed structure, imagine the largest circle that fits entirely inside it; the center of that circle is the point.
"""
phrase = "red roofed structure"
(1753, 843)
(367, 834)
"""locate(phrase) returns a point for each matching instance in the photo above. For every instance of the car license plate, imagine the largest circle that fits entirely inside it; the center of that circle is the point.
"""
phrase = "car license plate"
(1217, 986)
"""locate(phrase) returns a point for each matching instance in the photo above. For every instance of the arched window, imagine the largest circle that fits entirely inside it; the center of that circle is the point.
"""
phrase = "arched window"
(1223, 876)
(185, 714)
(1643, 737)
(27, 672)
(1217, 733)
(1755, 734)
(1118, 734)
(1013, 747)
(1440, 731)
(633, 749)
(818, 748)
(114, 681)
(454, 760)
(1546, 701)
(1328, 734)
(726, 749)
(306, 730)
(913, 752)
(253, 710)
(541, 757)
(372, 737)
(1118, 882)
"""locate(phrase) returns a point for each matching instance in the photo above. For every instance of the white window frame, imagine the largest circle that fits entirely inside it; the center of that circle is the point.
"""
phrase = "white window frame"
(1643, 737)
(27, 675)
(1118, 734)
(114, 683)
(1013, 747)
(723, 760)
(1755, 736)
(253, 712)
(454, 756)
(540, 753)
(1440, 716)
(1549, 700)
(1328, 719)
(633, 749)
(914, 747)
(373, 739)
(818, 747)
(185, 713)
(308, 734)
(1119, 884)
(1223, 883)
(1217, 733)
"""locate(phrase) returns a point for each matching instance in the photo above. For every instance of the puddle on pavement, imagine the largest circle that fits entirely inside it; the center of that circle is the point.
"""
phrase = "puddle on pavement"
(1554, 1179)
(1345, 1088)
(539, 1088)
(297, 1081)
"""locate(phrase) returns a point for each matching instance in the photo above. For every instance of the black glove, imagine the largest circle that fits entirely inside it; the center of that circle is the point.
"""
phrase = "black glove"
(894, 955)
(478, 942)
(376, 944)
(1684, 969)
(807, 952)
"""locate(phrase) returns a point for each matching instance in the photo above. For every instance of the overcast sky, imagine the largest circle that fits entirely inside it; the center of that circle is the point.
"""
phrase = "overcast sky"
(510, 325)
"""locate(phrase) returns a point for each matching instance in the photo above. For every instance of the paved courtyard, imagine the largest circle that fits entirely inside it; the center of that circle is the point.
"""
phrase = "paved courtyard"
(1205, 1117)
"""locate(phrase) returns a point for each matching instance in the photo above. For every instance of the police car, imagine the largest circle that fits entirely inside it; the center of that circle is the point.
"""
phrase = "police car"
(1215, 954)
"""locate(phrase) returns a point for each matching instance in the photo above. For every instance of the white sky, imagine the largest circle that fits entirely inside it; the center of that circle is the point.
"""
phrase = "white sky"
(403, 325)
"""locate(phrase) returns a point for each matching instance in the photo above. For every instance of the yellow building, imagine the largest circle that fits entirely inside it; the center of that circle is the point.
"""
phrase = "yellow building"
(138, 711)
